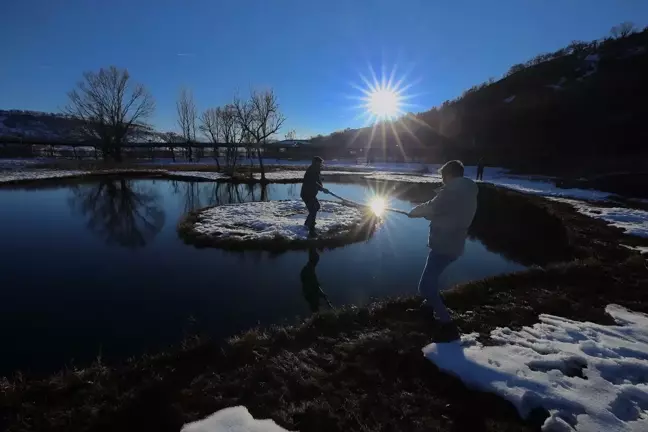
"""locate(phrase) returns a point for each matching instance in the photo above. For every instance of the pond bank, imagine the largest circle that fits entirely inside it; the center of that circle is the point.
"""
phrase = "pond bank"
(350, 369)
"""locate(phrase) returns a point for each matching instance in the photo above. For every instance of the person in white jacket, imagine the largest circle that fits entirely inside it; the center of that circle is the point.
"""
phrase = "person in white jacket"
(450, 214)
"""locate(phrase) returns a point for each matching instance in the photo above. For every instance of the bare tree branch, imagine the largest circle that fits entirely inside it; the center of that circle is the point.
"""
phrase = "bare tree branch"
(259, 118)
(109, 108)
(212, 127)
(186, 109)
(291, 135)
(623, 30)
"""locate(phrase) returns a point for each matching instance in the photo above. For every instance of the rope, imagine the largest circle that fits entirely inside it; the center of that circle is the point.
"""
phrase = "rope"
(364, 205)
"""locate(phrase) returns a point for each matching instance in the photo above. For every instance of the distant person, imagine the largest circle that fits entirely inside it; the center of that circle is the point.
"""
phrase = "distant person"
(310, 284)
(450, 214)
(311, 185)
(480, 169)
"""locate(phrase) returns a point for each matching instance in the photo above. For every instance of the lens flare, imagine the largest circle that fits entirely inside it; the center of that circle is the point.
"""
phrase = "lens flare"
(383, 98)
(384, 103)
(378, 206)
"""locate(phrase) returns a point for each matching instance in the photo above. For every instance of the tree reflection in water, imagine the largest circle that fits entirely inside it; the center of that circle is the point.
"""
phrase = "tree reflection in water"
(120, 211)
(196, 195)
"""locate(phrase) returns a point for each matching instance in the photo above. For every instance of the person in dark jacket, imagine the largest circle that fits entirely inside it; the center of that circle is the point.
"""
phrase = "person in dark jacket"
(480, 169)
(311, 185)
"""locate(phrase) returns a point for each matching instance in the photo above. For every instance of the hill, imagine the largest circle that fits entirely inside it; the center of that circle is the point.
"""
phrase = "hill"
(583, 104)
(18, 125)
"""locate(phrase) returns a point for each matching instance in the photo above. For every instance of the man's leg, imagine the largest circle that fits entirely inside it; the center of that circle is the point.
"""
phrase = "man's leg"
(309, 206)
(315, 209)
(429, 284)
(313, 206)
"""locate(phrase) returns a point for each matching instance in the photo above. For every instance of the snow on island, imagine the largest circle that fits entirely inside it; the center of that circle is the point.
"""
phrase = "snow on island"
(589, 377)
(275, 225)
(235, 419)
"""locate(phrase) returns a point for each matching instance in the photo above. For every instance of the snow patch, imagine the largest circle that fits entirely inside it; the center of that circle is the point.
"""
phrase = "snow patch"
(427, 178)
(633, 221)
(200, 174)
(234, 419)
(559, 85)
(591, 66)
(594, 58)
(25, 175)
(589, 377)
(298, 175)
(509, 99)
(545, 188)
(271, 220)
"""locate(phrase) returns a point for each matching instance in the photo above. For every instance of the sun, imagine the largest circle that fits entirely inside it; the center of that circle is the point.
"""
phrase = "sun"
(383, 99)
(378, 205)
(384, 102)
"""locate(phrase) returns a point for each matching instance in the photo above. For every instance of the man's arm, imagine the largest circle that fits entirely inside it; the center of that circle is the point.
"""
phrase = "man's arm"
(320, 184)
(430, 209)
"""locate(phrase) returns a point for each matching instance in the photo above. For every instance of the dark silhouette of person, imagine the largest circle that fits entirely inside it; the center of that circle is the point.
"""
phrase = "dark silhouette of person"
(310, 284)
(311, 185)
(480, 169)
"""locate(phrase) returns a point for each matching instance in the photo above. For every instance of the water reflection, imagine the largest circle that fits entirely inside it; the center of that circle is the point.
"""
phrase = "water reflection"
(121, 212)
(196, 195)
(310, 284)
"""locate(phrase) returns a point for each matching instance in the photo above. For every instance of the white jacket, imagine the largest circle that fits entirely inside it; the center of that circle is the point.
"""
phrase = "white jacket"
(450, 214)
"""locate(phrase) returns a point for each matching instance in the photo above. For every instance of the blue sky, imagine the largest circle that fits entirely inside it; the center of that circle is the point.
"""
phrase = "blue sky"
(309, 51)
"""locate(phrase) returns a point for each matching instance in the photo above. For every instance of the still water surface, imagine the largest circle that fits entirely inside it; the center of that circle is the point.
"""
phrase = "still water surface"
(98, 269)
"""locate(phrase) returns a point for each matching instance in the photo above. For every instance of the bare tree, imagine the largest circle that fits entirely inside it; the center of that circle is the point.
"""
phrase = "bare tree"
(233, 135)
(212, 127)
(623, 30)
(291, 135)
(172, 138)
(109, 107)
(186, 109)
(259, 118)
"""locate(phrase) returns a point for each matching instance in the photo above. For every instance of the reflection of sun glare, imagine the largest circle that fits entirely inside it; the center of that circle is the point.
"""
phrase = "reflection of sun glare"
(378, 205)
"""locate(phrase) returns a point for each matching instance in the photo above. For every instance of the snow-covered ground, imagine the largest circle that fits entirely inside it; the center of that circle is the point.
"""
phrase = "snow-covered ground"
(17, 175)
(299, 175)
(405, 178)
(234, 419)
(589, 377)
(204, 175)
(538, 185)
(271, 220)
(633, 221)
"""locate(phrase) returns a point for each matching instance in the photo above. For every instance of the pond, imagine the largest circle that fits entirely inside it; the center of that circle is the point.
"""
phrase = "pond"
(97, 269)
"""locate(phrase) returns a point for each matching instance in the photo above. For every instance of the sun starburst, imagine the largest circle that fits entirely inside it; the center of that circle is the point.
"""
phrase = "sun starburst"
(382, 99)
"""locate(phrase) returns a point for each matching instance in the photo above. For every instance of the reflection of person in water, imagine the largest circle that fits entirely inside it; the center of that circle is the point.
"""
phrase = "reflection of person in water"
(310, 285)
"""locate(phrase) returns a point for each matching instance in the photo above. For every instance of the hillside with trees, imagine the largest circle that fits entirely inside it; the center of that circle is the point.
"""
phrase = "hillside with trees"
(584, 104)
